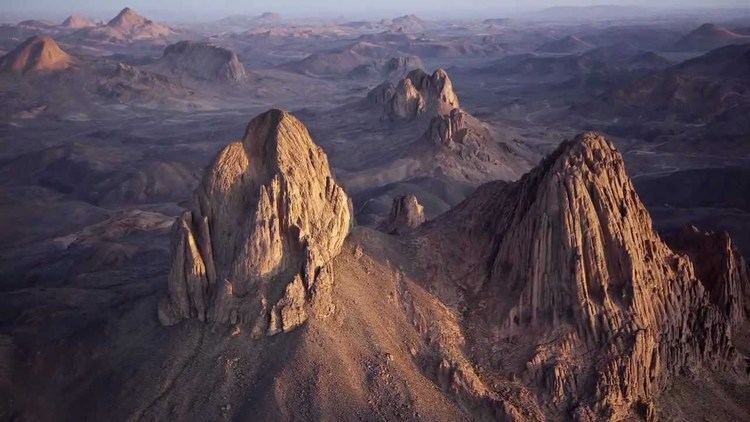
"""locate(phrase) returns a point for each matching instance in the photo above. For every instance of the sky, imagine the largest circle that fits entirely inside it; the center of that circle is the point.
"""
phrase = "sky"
(213, 8)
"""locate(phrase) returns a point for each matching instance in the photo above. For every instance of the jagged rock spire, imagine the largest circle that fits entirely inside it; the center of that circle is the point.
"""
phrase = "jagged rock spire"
(265, 222)
(418, 94)
(568, 253)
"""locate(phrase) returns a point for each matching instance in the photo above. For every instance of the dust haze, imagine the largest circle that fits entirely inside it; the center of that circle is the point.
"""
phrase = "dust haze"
(403, 212)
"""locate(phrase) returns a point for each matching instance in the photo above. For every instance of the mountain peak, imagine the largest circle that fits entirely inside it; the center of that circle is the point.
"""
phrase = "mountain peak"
(38, 53)
(569, 252)
(129, 25)
(266, 221)
(127, 18)
(418, 94)
(709, 36)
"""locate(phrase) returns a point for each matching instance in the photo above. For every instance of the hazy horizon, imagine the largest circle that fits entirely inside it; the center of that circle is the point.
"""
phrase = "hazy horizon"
(198, 10)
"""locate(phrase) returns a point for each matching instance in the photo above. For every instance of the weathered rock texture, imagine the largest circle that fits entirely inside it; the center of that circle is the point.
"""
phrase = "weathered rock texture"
(406, 214)
(417, 95)
(463, 148)
(38, 53)
(266, 221)
(202, 61)
(565, 264)
(719, 266)
(569, 44)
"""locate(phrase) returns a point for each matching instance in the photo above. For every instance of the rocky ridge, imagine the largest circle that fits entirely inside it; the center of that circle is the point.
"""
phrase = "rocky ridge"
(254, 248)
(720, 267)
(566, 264)
(394, 68)
(566, 45)
(128, 26)
(127, 83)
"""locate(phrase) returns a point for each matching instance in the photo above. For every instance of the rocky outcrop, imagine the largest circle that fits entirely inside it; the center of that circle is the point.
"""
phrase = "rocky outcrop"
(36, 54)
(128, 26)
(417, 95)
(705, 89)
(132, 25)
(406, 215)
(126, 83)
(565, 263)
(406, 23)
(254, 249)
(202, 61)
(459, 133)
(720, 268)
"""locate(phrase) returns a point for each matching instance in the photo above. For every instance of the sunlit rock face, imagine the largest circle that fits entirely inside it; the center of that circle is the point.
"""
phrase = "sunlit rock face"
(36, 54)
(568, 254)
(418, 94)
(265, 222)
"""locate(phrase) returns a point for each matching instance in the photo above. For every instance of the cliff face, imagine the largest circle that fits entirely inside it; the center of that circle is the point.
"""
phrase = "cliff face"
(720, 268)
(460, 133)
(417, 95)
(266, 221)
(566, 261)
